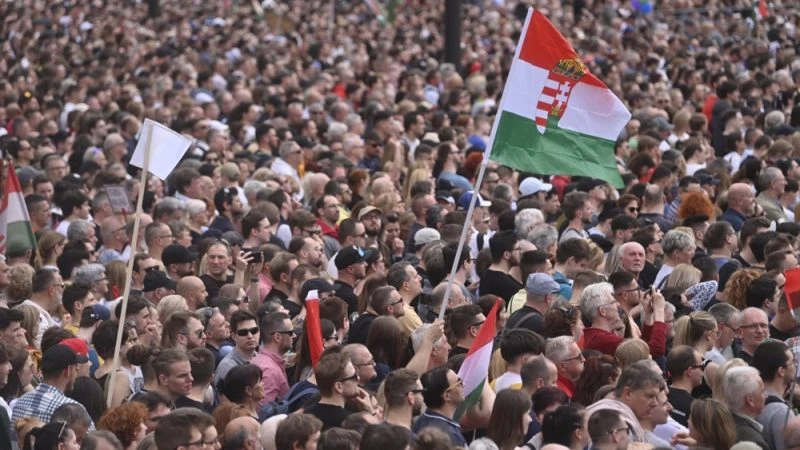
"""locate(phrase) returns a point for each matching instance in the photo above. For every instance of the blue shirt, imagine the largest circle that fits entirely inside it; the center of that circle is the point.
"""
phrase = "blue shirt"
(566, 286)
(733, 217)
(432, 418)
(458, 181)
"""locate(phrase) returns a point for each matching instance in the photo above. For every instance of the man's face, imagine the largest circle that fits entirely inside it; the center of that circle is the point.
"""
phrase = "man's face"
(196, 335)
(286, 333)
(642, 401)
(365, 365)
(660, 413)
(359, 235)
(246, 336)
(372, 223)
(179, 381)
(728, 331)
(311, 443)
(46, 190)
(754, 328)
(572, 367)
(218, 328)
(455, 389)
(262, 232)
(217, 260)
(398, 309)
(349, 387)
(633, 258)
(15, 335)
(392, 231)
(314, 251)
(629, 294)
(414, 283)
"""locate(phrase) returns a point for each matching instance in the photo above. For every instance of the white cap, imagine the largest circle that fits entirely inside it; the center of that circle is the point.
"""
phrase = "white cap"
(531, 185)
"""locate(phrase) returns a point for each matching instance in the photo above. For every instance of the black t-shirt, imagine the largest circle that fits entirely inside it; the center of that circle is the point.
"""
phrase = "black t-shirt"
(293, 308)
(500, 284)
(346, 293)
(681, 405)
(779, 335)
(528, 318)
(360, 328)
(330, 415)
(457, 351)
(648, 275)
(185, 402)
(213, 285)
(276, 295)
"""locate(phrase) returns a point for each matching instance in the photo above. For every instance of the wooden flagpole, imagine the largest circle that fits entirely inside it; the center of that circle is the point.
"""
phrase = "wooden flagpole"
(129, 274)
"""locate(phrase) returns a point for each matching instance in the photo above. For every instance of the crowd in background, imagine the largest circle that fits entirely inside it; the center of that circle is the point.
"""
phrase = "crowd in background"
(335, 151)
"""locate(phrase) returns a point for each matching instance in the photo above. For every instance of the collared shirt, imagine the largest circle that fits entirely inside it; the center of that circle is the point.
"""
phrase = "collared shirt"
(431, 418)
(733, 217)
(231, 360)
(410, 320)
(41, 403)
(273, 375)
(566, 386)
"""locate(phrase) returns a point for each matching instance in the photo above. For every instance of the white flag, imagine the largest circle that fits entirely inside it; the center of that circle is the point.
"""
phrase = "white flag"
(167, 147)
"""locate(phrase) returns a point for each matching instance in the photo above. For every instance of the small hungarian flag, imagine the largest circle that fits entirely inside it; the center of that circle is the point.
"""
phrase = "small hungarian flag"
(15, 223)
(475, 369)
(555, 117)
(761, 9)
(792, 291)
(313, 328)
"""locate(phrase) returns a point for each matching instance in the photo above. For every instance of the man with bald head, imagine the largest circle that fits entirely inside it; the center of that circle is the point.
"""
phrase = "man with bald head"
(632, 257)
(243, 433)
(741, 205)
(753, 329)
(193, 290)
(115, 240)
(268, 429)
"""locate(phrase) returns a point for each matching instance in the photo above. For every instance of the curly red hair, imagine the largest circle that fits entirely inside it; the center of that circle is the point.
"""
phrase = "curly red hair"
(124, 421)
(695, 204)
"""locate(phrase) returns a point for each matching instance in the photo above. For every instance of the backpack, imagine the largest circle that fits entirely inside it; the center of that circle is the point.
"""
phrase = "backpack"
(287, 405)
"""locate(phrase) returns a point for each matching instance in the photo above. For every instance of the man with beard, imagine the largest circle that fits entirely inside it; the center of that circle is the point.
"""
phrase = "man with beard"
(276, 333)
(308, 251)
(370, 216)
(178, 261)
(504, 246)
(337, 380)
(443, 393)
(351, 268)
(59, 369)
(403, 392)
(193, 290)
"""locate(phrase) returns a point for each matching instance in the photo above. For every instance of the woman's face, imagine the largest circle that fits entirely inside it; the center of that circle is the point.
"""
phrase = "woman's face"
(70, 441)
(257, 391)
(26, 372)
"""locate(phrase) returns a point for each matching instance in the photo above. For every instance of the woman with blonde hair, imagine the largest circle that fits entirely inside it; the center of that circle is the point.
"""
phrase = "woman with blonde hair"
(418, 174)
(682, 278)
(20, 287)
(736, 288)
(30, 323)
(169, 305)
(116, 272)
(711, 425)
(51, 245)
(723, 369)
(630, 351)
(700, 331)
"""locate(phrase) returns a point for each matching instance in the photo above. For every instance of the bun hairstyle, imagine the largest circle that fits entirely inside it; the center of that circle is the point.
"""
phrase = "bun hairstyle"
(46, 437)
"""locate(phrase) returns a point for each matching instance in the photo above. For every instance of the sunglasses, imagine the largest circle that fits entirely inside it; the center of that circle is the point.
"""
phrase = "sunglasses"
(354, 377)
(245, 331)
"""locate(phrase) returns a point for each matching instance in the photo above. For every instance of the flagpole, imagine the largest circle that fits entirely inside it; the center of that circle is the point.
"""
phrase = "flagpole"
(129, 274)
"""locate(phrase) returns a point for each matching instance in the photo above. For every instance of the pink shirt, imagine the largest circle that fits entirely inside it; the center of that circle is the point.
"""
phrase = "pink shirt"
(273, 375)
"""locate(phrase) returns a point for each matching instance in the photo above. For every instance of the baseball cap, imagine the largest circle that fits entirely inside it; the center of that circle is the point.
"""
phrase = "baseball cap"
(705, 178)
(368, 209)
(78, 345)
(234, 238)
(157, 279)
(662, 124)
(426, 235)
(60, 357)
(93, 314)
(531, 185)
(177, 254)
(466, 198)
(541, 284)
(320, 284)
(445, 196)
(587, 184)
(348, 256)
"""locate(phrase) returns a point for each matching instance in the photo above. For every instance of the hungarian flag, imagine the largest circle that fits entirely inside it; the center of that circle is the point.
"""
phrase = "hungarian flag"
(15, 223)
(762, 11)
(792, 291)
(555, 117)
(475, 369)
(313, 327)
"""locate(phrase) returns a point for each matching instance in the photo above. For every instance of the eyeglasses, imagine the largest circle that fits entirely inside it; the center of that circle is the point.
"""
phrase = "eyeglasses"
(633, 210)
(289, 332)
(353, 377)
(754, 326)
(580, 358)
(636, 289)
(100, 280)
(417, 391)
(457, 384)
(193, 444)
(245, 331)
(200, 333)
(371, 362)
(150, 269)
(313, 231)
(477, 324)
(617, 430)
(398, 302)
(213, 443)
(62, 285)
(735, 330)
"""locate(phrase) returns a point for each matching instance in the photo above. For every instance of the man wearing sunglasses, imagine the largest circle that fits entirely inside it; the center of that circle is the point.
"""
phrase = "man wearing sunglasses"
(337, 380)
(142, 264)
(443, 393)
(464, 322)
(245, 334)
(277, 332)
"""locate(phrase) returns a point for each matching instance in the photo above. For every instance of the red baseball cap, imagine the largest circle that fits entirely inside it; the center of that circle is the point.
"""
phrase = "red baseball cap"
(78, 345)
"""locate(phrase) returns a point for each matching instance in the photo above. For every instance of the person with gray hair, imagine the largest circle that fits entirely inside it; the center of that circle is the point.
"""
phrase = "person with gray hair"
(242, 433)
(569, 361)
(290, 157)
(599, 306)
(251, 188)
(635, 396)
(774, 119)
(82, 230)
(743, 391)
(101, 440)
(440, 350)
(679, 248)
(75, 416)
(773, 185)
(168, 209)
(543, 235)
(728, 318)
(93, 276)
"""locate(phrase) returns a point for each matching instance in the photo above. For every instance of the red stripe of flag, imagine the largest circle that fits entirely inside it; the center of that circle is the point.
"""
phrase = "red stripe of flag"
(313, 328)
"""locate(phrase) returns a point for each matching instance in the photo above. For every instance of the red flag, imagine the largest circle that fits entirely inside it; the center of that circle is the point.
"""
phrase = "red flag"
(762, 9)
(792, 290)
(313, 328)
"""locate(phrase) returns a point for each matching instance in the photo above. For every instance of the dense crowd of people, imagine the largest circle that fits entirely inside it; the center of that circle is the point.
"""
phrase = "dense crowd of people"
(335, 152)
